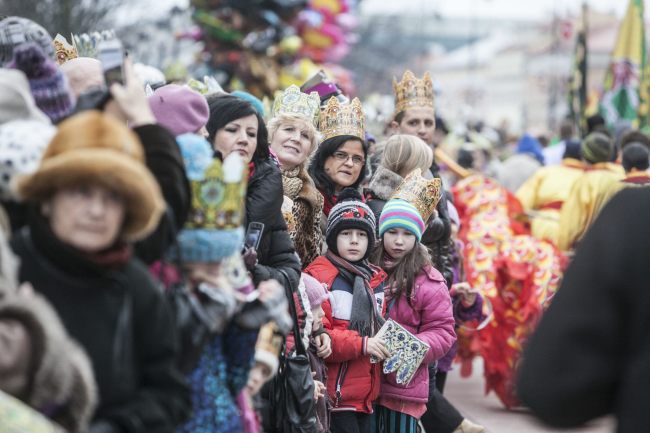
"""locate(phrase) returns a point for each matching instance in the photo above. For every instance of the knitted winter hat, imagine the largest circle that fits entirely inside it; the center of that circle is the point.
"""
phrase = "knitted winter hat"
(83, 74)
(316, 292)
(399, 213)
(18, 30)
(16, 100)
(213, 230)
(350, 212)
(22, 143)
(179, 109)
(48, 84)
(597, 147)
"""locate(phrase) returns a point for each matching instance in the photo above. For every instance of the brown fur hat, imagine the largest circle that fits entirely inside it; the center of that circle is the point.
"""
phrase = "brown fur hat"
(93, 147)
(62, 384)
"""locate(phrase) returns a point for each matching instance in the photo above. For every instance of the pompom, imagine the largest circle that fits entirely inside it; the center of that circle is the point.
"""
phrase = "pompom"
(31, 59)
(349, 194)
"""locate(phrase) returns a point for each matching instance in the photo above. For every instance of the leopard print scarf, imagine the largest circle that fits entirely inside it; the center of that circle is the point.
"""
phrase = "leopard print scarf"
(291, 183)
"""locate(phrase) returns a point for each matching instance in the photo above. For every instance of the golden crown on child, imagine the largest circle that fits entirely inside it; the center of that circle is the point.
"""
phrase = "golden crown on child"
(422, 193)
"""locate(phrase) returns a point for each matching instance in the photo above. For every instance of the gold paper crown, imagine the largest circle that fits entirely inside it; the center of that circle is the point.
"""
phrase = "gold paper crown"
(413, 92)
(422, 193)
(64, 50)
(342, 119)
(293, 101)
(218, 199)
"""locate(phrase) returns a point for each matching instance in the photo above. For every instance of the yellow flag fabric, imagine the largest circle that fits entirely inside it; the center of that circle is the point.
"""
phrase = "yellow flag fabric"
(624, 94)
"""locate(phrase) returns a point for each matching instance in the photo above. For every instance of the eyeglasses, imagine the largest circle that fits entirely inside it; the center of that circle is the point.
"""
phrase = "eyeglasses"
(343, 157)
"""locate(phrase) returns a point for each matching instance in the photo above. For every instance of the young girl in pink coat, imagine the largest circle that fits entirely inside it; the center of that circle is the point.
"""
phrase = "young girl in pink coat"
(417, 298)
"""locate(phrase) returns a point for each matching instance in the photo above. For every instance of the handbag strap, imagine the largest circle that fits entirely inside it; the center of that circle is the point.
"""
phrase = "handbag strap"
(288, 289)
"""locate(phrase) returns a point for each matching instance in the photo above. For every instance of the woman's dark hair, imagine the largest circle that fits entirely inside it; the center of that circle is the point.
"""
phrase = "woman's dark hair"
(226, 108)
(324, 151)
(401, 277)
(635, 155)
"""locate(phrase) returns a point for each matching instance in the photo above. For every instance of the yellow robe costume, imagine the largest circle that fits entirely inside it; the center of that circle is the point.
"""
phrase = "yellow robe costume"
(544, 194)
(585, 200)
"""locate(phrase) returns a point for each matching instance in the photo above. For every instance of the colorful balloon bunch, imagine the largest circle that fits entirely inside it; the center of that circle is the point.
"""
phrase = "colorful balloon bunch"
(266, 45)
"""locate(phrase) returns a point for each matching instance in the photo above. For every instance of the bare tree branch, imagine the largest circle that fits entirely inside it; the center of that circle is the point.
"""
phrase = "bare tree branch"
(65, 16)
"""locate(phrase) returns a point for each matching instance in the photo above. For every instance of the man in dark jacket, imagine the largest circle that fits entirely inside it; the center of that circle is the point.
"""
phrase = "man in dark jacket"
(591, 352)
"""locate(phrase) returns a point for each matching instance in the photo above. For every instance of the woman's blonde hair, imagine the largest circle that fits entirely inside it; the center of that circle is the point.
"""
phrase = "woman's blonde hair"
(404, 153)
(297, 120)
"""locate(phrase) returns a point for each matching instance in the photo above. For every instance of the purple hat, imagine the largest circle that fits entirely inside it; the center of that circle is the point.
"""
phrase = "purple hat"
(48, 84)
(316, 292)
(179, 109)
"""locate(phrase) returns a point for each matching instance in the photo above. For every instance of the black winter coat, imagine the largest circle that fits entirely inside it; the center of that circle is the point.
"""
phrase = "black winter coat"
(590, 355)
(263, 204)
(163, 158)
(122, 321)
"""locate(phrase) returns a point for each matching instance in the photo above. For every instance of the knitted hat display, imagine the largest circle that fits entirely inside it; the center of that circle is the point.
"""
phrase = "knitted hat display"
(16, 100)
(597, 147)
(83, 74)
(48, 84)
(22, 143)
(213, 230)
(15, 31)
(316, 292)
(398, 213)
(350, 212)
(179, 109)
(92, 147)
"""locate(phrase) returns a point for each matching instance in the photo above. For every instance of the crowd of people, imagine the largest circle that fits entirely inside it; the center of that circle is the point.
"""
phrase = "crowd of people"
(177, 258)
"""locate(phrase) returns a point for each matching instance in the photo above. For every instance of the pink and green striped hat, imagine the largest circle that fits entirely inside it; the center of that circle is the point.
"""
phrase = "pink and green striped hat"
(399, 213)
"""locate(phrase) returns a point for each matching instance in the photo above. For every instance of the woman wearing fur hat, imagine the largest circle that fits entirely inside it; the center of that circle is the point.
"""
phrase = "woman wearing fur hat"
(90, 198)
(294, 137)
(235, 126)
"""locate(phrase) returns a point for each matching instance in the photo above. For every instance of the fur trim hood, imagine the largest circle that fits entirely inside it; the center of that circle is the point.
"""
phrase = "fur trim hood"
(384, 183)
(62, 383)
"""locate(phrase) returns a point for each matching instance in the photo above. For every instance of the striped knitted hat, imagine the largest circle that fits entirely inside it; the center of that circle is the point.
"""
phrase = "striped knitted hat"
(350, 212)
(399, 213)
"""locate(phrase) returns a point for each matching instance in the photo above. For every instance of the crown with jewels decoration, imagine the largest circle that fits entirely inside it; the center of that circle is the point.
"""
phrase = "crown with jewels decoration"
(293, 101)
(86, 43)
(413, 92)
(218, 198)
(422, 193)
(64, 50)
(338, 119)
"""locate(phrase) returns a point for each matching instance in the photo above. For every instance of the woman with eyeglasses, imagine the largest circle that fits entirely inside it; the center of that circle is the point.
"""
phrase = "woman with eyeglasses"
(340, 159)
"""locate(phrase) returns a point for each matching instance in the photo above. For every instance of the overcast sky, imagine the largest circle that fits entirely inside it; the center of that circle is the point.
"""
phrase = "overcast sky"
(524, 9)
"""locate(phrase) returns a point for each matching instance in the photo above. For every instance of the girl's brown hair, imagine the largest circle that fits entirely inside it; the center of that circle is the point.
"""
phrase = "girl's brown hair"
(401, 276)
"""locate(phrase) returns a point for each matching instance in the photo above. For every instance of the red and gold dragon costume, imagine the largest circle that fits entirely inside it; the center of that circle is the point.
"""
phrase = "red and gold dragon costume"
(517, 273)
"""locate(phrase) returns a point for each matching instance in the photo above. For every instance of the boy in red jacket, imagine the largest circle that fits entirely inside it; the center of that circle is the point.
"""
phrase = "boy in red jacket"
(353, 313)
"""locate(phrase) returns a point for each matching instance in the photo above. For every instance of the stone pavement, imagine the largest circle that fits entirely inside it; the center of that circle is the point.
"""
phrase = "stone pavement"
(468, 397)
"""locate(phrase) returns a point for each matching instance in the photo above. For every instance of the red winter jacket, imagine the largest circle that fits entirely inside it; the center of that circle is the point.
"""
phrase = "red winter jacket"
(353, 383)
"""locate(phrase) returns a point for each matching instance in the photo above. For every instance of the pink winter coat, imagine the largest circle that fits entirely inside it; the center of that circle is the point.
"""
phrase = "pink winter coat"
(431, 319)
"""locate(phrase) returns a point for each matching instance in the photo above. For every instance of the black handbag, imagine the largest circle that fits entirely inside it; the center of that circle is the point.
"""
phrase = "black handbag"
(293, 409)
